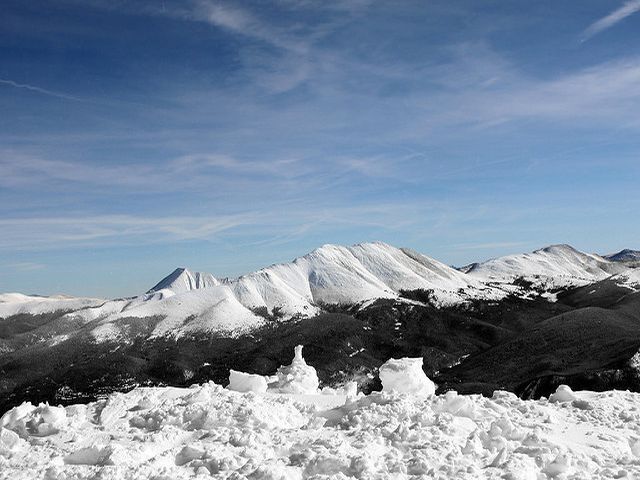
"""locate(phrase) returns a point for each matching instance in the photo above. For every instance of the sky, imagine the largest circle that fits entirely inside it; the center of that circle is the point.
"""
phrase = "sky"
(139, 136)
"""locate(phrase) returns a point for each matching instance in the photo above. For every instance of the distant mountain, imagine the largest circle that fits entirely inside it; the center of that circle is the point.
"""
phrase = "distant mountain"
(183, 280)
(625, 255)
(186, 302)
(553, 266)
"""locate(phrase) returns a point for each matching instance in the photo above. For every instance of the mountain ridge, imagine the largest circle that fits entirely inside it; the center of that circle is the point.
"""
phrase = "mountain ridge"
(185, 301)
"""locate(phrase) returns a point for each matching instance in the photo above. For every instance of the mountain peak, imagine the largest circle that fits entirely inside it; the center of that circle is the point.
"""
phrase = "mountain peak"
(626, 255)
(559, 248)
(183, 280)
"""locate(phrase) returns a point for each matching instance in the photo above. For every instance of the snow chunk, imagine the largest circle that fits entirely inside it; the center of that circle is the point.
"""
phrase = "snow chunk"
(405, 375)
(9, 442)
(563, 394)
(246, 382)
(297, 377)
(40, 421)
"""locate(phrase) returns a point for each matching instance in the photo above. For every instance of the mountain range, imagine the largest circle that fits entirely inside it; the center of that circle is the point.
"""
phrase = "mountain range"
(185, 302)
(373, 299)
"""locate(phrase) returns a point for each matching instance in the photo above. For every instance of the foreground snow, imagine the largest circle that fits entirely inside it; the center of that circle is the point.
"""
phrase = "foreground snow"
(210, 432)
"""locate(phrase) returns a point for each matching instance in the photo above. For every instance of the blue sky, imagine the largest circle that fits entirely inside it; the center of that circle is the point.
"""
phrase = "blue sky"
(225, 136)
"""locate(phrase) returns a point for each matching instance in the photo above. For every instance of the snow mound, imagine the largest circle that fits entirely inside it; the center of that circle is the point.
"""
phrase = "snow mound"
(562, 394)
(297, 377)
(207, 431)
(246, 382)
(405, 375)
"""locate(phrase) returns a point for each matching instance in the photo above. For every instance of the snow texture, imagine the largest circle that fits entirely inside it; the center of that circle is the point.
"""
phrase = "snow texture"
(405, 375)
(297, 377)
(246, 382)
(210, 432)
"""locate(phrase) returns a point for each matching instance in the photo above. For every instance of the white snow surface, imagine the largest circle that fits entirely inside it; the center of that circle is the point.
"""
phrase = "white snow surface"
(336, 274)
(405, 375)
(17, 303)
(207, 431)
(247, 382)
(553, 266)
(297, 377)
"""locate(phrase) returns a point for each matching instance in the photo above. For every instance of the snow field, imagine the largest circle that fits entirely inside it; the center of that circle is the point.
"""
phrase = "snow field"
(211, 432)
(207, 431)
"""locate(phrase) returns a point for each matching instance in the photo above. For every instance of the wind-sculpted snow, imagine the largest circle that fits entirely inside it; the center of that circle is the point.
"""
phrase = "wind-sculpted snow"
(209, 432)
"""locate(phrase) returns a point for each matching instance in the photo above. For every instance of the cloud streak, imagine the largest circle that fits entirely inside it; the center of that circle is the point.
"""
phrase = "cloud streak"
(42, 91)
(628, 8)
(56, 232)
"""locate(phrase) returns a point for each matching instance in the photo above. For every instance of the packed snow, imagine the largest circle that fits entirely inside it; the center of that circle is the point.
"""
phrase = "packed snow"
(207, 431)
(405, 375)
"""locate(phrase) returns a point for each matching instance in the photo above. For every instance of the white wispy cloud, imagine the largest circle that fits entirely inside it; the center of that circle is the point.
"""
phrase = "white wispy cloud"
(56, 232)
(628, 8)
(26, 266)
(42, 91)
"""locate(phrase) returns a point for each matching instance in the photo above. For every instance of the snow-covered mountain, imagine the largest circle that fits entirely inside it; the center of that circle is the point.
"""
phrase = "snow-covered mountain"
(187, 302)
(331, 274)
(553, 266)
(625, 255)
(183, 280)
(336, 274)
(16, 303)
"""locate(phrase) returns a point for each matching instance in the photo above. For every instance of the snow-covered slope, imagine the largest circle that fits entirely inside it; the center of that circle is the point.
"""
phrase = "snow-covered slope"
(17, 303)
(208, 310)
(553, 266)
(629, 278)
(337, 274)
(183, 280)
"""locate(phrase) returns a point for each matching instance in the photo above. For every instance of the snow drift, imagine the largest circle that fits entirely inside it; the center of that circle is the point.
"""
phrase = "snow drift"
(209, 432)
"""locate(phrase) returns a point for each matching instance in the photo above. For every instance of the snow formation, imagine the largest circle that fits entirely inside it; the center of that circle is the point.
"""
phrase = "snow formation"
(405, 375)
(297, 377)
(210, 432)
(247, 382)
